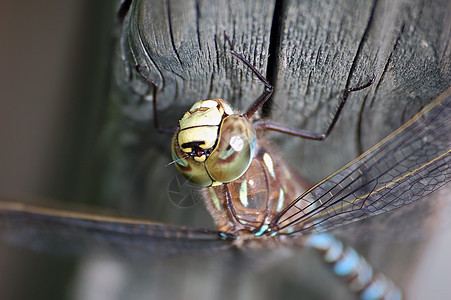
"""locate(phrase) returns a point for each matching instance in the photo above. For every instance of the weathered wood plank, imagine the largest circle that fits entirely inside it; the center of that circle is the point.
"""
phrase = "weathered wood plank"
(183, 47)
(329, 46)
(318, 50)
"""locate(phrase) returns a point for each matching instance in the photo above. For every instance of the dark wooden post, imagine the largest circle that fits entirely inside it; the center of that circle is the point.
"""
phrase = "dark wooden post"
(311, 51)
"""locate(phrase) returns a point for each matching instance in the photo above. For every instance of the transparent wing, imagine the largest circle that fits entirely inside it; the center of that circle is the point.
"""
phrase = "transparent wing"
(65, 232)
(407, 165)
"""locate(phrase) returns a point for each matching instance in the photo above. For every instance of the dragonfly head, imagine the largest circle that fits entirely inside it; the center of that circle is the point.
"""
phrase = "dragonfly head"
(213, 144)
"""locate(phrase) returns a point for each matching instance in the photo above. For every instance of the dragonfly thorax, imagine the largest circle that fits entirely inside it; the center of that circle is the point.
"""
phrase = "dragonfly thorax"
(213, 144)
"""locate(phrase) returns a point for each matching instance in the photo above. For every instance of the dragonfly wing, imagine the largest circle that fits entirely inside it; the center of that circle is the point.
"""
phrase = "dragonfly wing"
(409, 164)
(72, 233)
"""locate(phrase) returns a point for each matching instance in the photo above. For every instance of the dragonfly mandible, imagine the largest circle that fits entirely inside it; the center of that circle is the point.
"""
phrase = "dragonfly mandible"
(404, 167)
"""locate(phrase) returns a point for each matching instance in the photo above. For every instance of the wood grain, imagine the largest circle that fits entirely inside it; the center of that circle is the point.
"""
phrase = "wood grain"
(310, 51)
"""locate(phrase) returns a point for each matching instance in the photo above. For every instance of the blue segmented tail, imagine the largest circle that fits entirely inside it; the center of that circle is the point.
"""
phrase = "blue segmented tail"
(347, 263)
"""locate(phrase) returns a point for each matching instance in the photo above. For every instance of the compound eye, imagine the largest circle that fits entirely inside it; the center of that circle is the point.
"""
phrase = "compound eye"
(193, 170)
(235, 149)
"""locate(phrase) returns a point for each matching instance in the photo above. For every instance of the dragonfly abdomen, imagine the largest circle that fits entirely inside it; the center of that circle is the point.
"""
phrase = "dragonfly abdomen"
(351, 266)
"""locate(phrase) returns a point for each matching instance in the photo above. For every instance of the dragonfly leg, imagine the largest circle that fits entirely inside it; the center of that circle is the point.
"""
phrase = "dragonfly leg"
(269, 125)
(154, 102)
(267, 92)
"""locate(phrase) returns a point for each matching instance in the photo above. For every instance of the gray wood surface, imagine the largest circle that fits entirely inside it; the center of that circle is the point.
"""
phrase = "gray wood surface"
(311, 51)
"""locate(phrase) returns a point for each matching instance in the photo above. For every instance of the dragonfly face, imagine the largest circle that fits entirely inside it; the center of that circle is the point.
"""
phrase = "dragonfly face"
(246, 184)
(213, 145)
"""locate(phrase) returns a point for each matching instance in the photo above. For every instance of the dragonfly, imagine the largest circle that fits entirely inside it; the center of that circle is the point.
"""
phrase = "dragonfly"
(257, 199)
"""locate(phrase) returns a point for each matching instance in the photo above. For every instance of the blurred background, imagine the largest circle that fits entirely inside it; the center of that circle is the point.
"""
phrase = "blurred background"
(53, 63)
(53, 59)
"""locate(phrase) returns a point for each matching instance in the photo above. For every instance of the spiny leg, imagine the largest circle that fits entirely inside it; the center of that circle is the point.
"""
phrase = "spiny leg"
(268, 125)
(268, 87)
(154, 102)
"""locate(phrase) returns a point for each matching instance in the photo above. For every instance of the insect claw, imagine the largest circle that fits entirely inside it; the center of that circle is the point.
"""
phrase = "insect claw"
(361, 87)
(228, 41)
